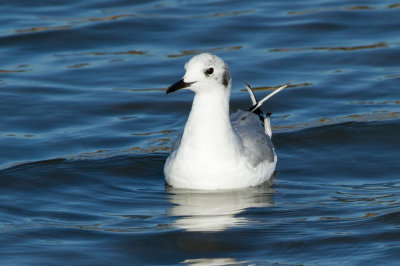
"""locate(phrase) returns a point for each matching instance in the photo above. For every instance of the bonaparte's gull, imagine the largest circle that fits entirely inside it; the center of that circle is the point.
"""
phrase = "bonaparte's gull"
(216, 151)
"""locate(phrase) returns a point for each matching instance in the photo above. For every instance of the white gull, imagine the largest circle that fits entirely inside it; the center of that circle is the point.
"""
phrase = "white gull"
(215, 150)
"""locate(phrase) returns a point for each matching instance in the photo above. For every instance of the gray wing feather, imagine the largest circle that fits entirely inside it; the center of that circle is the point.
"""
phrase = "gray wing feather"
(258, 146)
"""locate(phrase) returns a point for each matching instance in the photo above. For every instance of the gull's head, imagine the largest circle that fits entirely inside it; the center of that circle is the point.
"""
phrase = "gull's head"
(204, 72)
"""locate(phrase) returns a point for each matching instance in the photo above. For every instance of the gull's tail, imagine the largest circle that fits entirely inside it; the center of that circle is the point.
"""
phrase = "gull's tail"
(257, 104)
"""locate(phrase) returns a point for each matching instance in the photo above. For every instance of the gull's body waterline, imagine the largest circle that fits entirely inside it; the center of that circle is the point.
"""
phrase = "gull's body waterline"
(215, 150)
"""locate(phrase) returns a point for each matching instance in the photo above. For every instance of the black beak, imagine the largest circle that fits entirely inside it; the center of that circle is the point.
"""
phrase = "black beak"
(178, 85)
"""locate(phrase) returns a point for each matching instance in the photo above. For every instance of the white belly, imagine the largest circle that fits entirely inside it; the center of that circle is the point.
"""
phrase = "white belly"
(228, 174)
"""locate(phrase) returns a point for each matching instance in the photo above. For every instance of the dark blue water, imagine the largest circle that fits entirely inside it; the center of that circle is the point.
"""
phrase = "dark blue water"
(86, 127)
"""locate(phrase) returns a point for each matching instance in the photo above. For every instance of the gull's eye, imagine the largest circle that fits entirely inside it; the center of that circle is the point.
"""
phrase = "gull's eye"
(209, 71)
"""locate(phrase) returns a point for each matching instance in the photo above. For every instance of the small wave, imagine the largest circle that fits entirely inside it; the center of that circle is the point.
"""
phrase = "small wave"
(336, 48)
(360, 118)
(345, 8)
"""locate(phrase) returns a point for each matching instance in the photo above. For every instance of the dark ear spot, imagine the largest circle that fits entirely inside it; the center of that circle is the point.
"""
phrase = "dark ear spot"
(225, 78)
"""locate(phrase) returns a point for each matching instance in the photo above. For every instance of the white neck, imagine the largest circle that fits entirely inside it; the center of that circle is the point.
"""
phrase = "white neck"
(208, 134)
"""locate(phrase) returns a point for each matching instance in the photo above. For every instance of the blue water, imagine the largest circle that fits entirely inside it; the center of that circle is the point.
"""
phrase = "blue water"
(86, 127)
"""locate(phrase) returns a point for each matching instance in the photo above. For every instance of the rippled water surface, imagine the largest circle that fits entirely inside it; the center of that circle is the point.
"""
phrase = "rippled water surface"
(86, 127)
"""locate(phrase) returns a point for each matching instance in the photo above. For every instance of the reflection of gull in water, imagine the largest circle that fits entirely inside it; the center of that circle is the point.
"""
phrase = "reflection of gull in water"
(211, 211)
